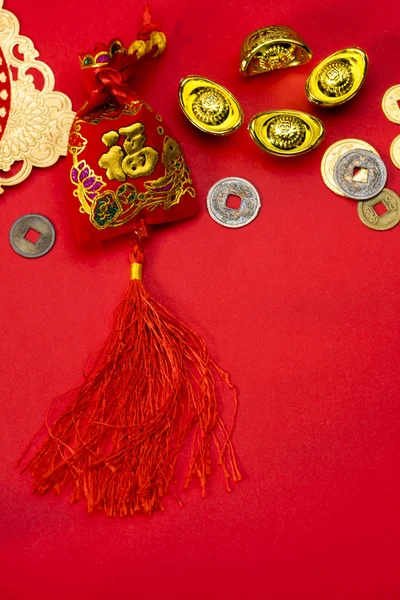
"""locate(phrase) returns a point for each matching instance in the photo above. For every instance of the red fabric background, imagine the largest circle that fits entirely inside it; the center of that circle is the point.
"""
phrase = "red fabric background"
(301, 307)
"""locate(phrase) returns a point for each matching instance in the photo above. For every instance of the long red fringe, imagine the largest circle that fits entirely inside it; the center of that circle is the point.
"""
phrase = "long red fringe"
(151, 389)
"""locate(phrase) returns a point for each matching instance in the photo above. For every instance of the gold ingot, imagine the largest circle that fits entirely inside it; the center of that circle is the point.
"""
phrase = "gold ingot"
(286, 132)
(338, 78)
(209, 106)
(270, 48)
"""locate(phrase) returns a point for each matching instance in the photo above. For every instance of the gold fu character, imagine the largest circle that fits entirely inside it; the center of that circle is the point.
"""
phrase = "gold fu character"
(134, 159)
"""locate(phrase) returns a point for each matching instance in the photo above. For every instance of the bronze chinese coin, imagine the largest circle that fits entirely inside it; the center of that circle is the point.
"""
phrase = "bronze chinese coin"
(382, 212)
(32, 236)
(360, 174)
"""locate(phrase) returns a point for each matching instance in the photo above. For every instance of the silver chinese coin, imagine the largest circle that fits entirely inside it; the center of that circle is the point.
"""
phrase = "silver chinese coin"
(43, 238)
(233, 217)
(360, 174)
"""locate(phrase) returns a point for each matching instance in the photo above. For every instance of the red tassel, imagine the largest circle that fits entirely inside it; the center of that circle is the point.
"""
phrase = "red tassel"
(151, 389)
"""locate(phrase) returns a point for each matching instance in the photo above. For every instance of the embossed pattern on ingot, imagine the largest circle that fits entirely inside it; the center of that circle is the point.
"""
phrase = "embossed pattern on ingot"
(210, 106)
(286, 132)
(231, 217)
(336, 78)
(344, 174)
(276, 56)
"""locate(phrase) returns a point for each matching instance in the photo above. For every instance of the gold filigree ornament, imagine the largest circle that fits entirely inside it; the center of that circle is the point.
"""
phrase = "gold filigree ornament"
(338, 78)
(270, 48)
(286, 132)
(209, 106)
(34, 123)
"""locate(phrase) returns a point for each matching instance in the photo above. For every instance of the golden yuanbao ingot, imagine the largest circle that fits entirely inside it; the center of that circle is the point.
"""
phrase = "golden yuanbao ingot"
(338, 78)
(270, 48)
(209, 106)
(286, 132)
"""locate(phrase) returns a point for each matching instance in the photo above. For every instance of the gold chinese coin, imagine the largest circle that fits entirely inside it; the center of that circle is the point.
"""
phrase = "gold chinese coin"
(382, 212)
(395, 152)
(333, 154)
(209, 106)
(39, 225)
(286, 132)
(390, 104)
(338, 78)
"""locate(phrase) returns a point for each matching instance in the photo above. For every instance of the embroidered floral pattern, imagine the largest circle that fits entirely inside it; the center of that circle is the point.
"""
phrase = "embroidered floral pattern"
(116, 208)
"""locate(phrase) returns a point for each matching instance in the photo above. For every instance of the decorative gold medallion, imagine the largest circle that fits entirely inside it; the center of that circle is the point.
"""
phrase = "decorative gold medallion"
(34, 128)
(333, 154)
(286, 132)
(395, 152)
(390, 104)
(274, 47)
(338, 78)
(209, 106)
(381, 212)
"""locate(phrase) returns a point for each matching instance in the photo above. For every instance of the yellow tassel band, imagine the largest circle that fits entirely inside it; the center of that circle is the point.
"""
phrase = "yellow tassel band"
(136, 271)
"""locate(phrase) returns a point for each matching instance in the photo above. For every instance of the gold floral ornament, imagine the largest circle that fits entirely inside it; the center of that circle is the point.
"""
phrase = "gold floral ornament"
(35, 124)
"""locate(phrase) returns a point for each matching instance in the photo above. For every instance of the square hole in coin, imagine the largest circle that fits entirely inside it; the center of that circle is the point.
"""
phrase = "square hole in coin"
(233, 202)
(360, 174)
(32, 235)
(380, 209)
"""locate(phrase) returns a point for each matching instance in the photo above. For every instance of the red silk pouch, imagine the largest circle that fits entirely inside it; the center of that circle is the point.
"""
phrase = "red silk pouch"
(127, 169)
(116, 440)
